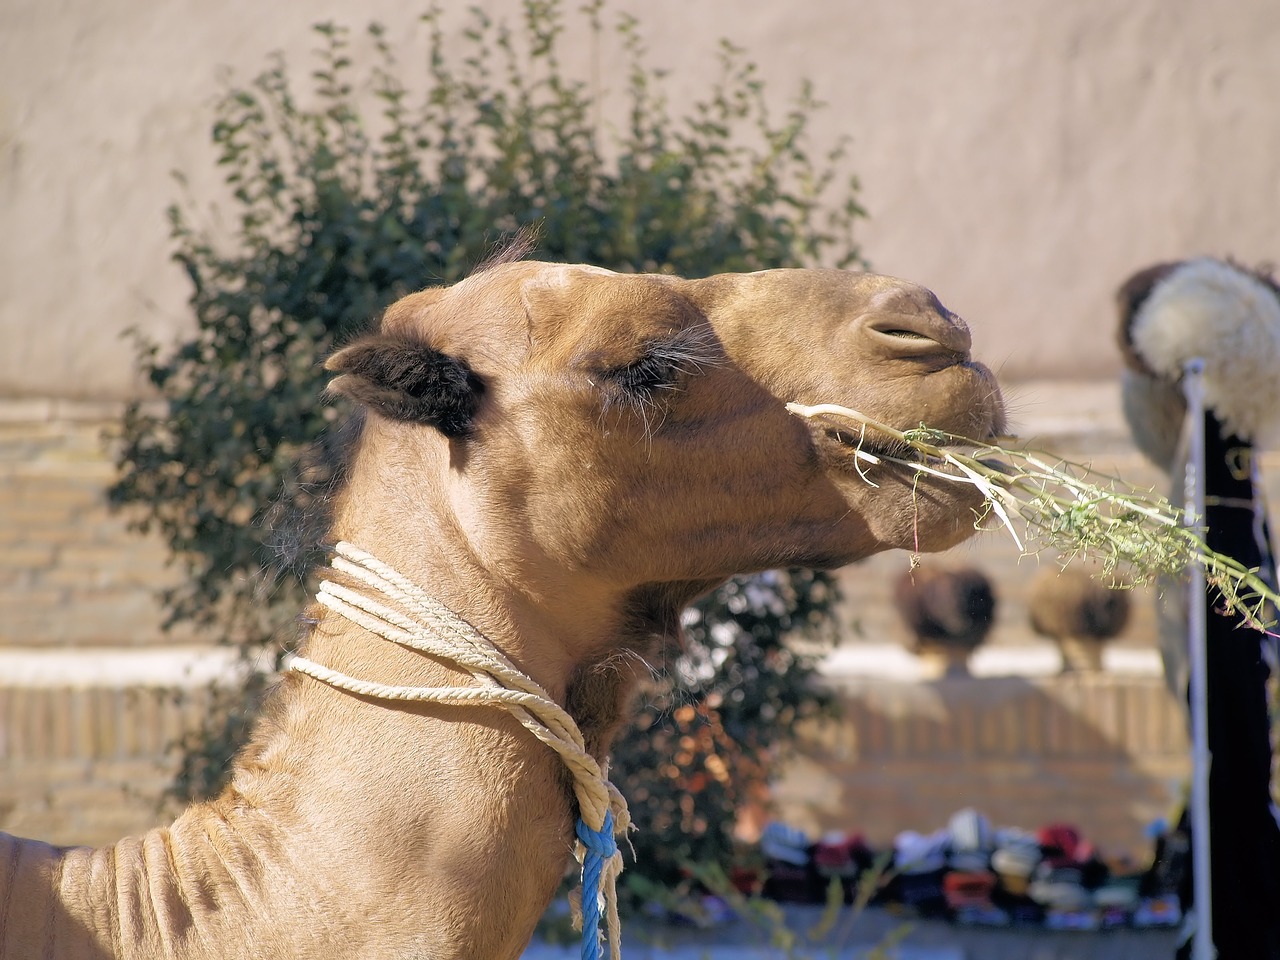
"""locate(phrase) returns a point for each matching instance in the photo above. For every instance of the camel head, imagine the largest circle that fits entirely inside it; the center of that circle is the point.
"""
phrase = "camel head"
(1217, 311)
(567, 428)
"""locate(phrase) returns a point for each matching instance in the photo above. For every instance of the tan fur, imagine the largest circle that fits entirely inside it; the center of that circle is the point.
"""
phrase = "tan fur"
(949, 614)
(570, 525)
(1079, 611)
(1229, 318)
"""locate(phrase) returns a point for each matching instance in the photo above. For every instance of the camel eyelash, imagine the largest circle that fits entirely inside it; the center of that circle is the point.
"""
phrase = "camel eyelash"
(666, 362)
(643, 385)
(651, 372)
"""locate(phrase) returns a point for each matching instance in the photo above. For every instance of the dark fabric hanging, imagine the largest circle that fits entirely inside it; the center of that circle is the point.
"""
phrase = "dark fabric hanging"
(1244, 838)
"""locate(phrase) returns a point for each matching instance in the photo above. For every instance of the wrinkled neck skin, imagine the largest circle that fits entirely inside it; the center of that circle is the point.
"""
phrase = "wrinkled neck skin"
(455, 823)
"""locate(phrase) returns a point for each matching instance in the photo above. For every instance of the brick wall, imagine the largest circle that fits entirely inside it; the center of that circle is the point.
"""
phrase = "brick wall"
(71, 573)
(89, 765)
(83, 764)
(1105, 752)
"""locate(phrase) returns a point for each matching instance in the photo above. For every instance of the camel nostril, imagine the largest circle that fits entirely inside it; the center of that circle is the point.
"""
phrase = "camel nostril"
(904, 320)
(905, 334)
(921, 334)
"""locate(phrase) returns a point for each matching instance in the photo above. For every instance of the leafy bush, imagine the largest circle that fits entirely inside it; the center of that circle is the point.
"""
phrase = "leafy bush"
(337, 213)
(707, 735)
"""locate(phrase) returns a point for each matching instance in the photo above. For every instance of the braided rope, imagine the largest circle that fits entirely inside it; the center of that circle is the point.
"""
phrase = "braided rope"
(418, 621)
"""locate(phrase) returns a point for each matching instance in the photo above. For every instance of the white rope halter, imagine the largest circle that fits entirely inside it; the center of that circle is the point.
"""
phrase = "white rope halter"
(420, 622)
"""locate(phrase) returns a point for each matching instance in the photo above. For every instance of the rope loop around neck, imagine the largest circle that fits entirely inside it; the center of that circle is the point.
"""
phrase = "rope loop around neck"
(408, 616)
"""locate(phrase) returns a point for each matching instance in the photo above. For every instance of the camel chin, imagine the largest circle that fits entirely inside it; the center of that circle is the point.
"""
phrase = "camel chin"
(927, 514)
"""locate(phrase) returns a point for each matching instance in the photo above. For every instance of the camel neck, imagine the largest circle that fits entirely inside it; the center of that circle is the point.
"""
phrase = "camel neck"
(395, 609)
(421, 790)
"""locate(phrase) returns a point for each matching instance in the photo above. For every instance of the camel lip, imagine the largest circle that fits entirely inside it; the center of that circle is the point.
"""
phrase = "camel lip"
(995, 463)
(869, 443)
(861, 451)
(878, 445)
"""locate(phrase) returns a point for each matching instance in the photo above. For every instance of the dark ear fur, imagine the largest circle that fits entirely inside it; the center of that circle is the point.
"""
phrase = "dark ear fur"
(1129, 298)
(407, 380)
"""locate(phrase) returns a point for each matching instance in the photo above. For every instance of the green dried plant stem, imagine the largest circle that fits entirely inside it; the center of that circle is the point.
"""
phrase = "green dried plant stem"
(1075, 515)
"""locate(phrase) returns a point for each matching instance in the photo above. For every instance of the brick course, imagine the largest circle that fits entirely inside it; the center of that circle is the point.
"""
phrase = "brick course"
(71, 572)
(1023, 751)
(89, 765)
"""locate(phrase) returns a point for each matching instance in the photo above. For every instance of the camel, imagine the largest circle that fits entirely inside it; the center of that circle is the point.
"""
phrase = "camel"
(564, 457)
(948, 612)
(1227, 317)
(1079, 612)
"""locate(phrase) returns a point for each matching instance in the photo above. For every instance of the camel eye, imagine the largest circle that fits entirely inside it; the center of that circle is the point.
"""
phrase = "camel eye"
(666, 364)
(651, 372)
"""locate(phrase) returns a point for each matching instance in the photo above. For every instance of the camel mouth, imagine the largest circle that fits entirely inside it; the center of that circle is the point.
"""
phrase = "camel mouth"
(862, 445)
(1000, 466)
(868, 444)
(857, 450)
(858, 454)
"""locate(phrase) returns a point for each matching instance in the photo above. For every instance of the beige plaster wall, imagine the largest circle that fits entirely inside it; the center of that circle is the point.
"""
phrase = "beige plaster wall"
(1019, 156)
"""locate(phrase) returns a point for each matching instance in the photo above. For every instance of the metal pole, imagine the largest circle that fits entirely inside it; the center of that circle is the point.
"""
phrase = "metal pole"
(1202, 944)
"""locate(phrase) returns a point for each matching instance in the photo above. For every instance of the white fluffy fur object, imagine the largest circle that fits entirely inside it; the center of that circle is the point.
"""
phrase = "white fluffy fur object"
(1230, 319)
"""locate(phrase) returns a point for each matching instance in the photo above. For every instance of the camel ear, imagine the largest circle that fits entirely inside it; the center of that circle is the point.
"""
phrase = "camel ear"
(1132, 294)
(406, 380)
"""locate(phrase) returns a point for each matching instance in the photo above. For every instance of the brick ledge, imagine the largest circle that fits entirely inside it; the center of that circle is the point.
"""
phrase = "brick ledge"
(194, 666)
(890, 661)
(119, 667)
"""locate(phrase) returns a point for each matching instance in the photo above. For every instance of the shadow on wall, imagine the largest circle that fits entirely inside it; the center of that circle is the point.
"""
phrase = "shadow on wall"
(1104, 752)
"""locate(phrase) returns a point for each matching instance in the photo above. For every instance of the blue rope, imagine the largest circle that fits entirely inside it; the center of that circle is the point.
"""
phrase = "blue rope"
(600, 847)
